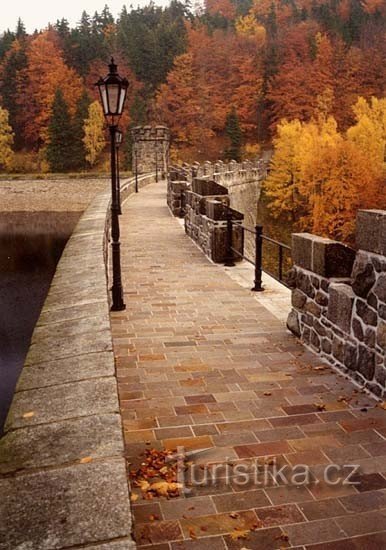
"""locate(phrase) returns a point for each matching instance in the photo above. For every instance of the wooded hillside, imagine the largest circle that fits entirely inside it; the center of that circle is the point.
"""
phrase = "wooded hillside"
(228, 79)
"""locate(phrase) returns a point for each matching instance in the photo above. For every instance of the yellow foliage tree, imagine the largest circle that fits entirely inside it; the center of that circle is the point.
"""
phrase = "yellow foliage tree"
(337, 182)
(369, 132)
(248, 25)
(6, 141)
(320, 178)
(94, 136)
(281, 186)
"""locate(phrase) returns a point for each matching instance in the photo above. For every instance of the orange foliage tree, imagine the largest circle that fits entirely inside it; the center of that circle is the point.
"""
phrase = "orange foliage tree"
(185, 111)
(46, 70)
(221, 70)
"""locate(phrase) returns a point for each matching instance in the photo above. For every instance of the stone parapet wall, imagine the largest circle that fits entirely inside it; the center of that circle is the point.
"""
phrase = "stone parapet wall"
(339, 300)
(62, 470)
(176, 197)
(224, 173)
(204, 204)
(242, 180)
(233, 173)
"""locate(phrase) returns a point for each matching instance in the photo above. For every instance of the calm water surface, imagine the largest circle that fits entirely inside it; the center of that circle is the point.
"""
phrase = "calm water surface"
(30, 247)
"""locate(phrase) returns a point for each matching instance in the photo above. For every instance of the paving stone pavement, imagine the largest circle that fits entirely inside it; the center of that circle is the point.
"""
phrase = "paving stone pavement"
(203, 365)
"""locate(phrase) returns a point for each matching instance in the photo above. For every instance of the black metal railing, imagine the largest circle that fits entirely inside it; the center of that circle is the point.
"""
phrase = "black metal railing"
(259, 239)
(274, 267)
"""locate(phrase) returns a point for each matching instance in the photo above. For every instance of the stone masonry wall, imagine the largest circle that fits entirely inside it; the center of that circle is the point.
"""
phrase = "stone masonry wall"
(204, 204)
(150, 145)
(339, 299)
(242, 180)
(63, 478)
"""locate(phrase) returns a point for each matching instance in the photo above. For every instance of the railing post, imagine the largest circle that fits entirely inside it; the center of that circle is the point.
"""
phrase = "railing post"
(280, 262)
(258, 259)
(229, 254)
(156, 161)
(183, 203)
(136, 167)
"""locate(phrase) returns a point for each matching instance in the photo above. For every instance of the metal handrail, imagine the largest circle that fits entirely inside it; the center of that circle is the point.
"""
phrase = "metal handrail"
(259, 239)
(258, 262)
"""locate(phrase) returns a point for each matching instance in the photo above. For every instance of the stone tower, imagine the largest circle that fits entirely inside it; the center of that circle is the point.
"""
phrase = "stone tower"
(151, 149)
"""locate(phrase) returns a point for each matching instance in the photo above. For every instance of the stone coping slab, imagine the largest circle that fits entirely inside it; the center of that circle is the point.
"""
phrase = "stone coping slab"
(55, 403)
(63, 371)
(62, 472)
(82, 503)
(92, 437)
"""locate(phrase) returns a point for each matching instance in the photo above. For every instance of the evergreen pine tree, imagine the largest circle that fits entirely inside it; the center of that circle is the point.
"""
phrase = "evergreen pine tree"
(233, 132)
(20, 29)
(6, 40)
(81, 114)
(60, 146)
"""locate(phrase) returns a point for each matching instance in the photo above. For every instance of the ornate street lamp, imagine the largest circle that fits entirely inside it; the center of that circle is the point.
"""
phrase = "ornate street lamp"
(113, 91)
(118, 143)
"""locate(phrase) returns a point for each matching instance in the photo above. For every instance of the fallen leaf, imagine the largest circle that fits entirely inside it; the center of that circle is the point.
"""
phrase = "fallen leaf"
(383, 405)
(192, 534)
(238, 534)
(28, 414)
(163, 488)
(234, 515)
(85, 460)
(144, 485)
(134, 497)
(267, 393)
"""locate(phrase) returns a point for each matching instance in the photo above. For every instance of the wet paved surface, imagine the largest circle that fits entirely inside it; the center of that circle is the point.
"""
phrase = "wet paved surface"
(203, 366)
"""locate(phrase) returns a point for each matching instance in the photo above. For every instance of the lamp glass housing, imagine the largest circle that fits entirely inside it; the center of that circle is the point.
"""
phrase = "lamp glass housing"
(113, 91)
(118, 137)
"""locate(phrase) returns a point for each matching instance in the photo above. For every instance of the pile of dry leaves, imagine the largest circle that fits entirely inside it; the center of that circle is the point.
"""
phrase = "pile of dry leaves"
(157, 475)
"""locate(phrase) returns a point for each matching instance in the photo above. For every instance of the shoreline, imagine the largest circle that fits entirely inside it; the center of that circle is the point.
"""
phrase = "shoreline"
(49, 195)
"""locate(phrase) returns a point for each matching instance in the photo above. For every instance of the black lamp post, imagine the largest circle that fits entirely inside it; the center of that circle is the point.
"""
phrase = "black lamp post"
(118, 142)
(113, 90)
(156, 159)
(136, 166)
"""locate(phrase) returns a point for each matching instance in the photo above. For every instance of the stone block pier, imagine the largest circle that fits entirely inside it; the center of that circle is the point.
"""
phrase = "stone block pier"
(198, 365)
(339, 300)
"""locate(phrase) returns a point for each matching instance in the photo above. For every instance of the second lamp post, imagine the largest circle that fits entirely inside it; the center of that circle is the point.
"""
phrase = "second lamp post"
(113, 91)
(118, 142)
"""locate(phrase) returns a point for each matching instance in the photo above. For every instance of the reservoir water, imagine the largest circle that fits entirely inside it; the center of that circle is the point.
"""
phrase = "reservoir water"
(30, 247)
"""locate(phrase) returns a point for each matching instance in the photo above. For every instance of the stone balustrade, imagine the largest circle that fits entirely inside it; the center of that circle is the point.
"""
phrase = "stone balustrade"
(339, 299)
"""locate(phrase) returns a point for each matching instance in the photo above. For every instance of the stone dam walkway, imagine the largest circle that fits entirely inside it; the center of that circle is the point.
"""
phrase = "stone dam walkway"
(202, 365)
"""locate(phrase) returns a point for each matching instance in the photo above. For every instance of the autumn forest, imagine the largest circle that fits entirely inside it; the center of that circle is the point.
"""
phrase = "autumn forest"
(301, 80)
